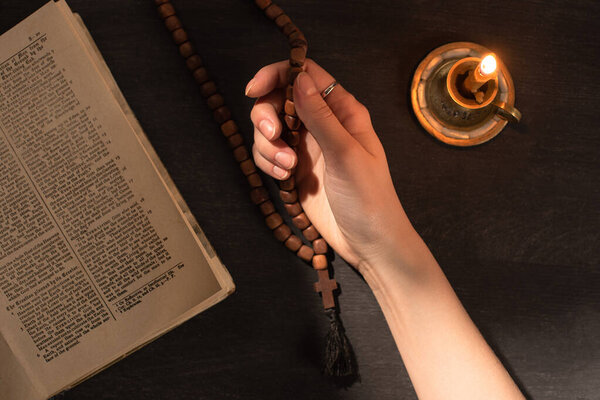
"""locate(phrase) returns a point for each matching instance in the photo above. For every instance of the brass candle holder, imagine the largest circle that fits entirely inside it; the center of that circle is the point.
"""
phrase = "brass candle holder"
(463, 94)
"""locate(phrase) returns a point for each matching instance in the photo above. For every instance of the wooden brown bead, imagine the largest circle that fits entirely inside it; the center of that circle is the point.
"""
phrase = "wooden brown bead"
(186, 49)
(159, 2)
(293, 209)
(292, 122)
(254, 179)
(288, 184)
(289, 92)
(193, 62)
(290, 108)
(289, 197)
(235, 140)
(305, 253)
(273, 220)
(229, 128)
(273, 11)
(179, 35)
(282, 20)
(222, 114)
(259, 195)
(166, 10)
(240, 153)
(248, 167)
(215, 101)
(301, 221)
(172, 23)
(311, 233)
(298, 56)
(288, 28)
(208, 88)
(262, 4)
(297, 39)
(293, 243)
(293, 73)
(320, 246)
(292, 138)
(267, 208)
(282, 232)
(319, 261)
(200, 75)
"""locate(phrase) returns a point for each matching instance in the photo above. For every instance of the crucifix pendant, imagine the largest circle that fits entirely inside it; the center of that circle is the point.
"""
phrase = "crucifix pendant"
(326, 286)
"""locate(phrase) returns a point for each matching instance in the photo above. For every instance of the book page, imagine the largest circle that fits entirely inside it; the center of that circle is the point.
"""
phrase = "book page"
(98, 252)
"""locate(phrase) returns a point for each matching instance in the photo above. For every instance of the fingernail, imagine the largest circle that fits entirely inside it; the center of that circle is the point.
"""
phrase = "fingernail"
(267, 128)
(279, 171)
(249, 86)
(305, 84)
(284, 159)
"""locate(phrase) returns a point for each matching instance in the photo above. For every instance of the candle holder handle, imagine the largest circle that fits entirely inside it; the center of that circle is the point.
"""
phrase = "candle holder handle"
(507, 112)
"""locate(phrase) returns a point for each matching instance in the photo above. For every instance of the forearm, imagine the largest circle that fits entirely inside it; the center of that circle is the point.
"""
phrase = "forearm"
(444, 353)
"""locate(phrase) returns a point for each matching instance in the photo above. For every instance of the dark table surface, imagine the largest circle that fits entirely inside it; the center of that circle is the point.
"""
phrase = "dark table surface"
(514, 223)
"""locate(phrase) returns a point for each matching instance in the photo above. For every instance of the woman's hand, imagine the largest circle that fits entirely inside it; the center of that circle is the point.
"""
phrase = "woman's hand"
(342, 173)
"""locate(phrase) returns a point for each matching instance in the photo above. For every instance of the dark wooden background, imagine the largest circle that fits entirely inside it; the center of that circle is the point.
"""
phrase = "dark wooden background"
(514, 222)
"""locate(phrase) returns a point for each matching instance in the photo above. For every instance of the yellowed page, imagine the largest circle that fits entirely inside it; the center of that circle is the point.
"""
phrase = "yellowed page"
(102, 269)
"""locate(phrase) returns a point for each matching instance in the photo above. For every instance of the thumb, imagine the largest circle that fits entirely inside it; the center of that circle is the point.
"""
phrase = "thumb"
(318, 118)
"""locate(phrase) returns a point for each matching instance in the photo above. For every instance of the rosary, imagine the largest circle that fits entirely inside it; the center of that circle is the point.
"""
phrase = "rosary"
(339, 360)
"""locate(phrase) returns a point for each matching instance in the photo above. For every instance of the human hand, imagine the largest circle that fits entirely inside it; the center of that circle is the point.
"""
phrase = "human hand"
(342, 175)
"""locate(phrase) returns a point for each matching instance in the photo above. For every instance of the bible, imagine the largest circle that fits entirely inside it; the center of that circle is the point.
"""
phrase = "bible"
(99, 254)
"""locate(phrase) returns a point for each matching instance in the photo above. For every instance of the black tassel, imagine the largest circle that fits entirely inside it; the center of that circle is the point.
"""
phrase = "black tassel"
(340, 361)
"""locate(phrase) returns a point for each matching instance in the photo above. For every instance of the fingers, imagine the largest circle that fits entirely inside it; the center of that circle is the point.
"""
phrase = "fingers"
(273, 158)
(320, 120)
(267, 79)
(264, 115)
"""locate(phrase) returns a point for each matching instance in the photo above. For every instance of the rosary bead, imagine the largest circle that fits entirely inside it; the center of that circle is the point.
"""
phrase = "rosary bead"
(301, 221)
(288, 28)
(165, 10)
(311, 233)
(290, 108)
(200, 75)
(262, 4)
(159, 2)
(235, 140)
(282, 232)
(273, 220)
(297, 56)
(259, 195)
(254, 179)
(186, 49)
(305, 253)
(215, 101)
(288, 184)
(193, 62)
(289, 92)
(293, 209)
(320, 246)
(289, 197)
(292, 122)
(293, 73)
(172, 23)
(297, 39)
(207, 89)
(248, 167)
(222, 114)
(293, 243)
(282, 20)
(229, 128)
(273, 11)
(292, 138)
(319, 261)
(179, 35)
(240, 153)
(267, 208)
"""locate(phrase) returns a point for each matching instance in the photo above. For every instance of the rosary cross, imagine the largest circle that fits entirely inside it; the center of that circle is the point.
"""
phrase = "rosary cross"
(326, 286)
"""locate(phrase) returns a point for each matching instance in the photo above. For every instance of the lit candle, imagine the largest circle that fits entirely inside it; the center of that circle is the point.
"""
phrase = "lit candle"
(485, 71)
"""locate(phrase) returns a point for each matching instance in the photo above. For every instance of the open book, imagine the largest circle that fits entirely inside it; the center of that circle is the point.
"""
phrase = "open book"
(99, 254)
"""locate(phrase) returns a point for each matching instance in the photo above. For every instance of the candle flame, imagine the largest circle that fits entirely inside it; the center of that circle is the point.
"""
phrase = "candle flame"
(487, 65)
